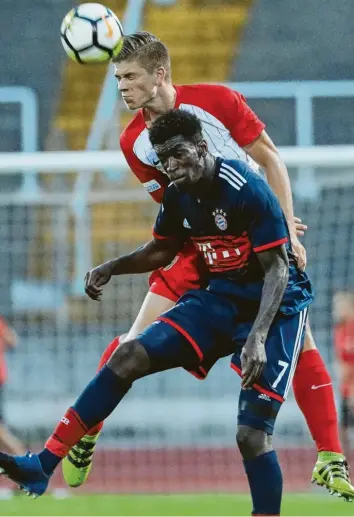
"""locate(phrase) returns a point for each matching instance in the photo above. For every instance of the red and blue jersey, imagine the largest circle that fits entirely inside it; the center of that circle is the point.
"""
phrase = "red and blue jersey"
(238, 218)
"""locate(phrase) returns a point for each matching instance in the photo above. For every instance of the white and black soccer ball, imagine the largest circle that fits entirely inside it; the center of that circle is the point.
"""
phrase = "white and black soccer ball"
(91, 33)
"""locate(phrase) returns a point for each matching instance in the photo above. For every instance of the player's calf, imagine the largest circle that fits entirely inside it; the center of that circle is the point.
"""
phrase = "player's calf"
(77, 464)
(262, 469)
(96, 402)
(256, 419)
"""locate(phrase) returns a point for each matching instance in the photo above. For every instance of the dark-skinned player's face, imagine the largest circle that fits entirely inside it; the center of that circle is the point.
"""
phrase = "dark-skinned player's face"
(182, 160)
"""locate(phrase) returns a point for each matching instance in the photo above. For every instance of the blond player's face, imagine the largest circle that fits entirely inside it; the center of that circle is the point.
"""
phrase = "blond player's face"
(137, 86)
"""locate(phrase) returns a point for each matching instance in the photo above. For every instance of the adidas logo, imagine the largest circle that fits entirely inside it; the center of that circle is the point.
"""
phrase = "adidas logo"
(186, 224)
(263, 396)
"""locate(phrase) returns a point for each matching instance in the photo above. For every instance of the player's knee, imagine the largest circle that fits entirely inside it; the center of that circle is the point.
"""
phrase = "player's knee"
(309, 342)
(252, 442)
(129, 361)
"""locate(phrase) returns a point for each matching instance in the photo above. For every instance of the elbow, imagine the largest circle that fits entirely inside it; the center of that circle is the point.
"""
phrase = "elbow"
(272, 161)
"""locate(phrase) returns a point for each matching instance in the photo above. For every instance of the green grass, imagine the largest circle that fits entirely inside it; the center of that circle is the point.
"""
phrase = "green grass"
(211, 504)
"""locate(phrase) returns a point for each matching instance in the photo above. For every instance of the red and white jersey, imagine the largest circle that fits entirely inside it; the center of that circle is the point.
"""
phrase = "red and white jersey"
(228, 125)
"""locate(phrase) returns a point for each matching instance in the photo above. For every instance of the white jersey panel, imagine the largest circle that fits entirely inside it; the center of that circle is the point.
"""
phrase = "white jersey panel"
(218, 137)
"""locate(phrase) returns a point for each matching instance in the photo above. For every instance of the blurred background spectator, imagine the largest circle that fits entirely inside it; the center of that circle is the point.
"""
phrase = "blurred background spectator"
(343, 315)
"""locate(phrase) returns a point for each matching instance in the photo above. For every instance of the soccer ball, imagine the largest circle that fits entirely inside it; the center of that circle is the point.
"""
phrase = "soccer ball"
(91, 33)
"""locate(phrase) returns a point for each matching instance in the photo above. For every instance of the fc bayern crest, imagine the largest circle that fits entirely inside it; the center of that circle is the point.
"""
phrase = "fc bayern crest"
(220, 219)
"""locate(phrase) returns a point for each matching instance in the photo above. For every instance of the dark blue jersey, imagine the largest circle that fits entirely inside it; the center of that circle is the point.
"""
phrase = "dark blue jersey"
(238, 218)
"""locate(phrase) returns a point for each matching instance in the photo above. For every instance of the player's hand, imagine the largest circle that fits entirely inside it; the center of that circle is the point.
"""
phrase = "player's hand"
(253, 360)
(299, 252)
(300, 228)
(96, 278)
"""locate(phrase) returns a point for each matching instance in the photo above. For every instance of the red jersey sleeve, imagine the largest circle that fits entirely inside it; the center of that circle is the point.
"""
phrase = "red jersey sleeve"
(243, 124)
(152, 179)
(226, 105)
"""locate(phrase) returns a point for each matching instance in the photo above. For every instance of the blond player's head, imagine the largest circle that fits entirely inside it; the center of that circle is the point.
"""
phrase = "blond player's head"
(343, 306)
(141, 68)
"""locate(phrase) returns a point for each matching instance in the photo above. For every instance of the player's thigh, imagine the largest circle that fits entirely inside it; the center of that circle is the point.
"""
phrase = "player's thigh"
(201, 319)
(167, 347)
(283, 345)
(259, 406)
(153, 306)
(309, 341)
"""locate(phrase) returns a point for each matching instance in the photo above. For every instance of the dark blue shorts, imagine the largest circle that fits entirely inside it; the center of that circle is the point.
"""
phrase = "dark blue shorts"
(204, 326)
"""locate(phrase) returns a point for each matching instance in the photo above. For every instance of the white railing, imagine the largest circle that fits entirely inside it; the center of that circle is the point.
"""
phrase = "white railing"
(67, 161)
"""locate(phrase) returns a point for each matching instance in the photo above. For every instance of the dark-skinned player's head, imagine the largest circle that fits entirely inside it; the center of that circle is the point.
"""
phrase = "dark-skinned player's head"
(141, 67)
(178, 141)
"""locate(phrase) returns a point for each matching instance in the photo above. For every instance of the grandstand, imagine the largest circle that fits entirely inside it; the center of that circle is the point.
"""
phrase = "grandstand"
(143, 448)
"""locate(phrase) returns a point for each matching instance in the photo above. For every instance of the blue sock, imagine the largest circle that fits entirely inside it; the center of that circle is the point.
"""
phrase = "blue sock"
(100, 397)
(49, 461)
(266, 483)
(95, 404)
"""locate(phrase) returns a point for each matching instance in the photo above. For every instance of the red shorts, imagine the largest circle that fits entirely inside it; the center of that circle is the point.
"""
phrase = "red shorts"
(186, 271)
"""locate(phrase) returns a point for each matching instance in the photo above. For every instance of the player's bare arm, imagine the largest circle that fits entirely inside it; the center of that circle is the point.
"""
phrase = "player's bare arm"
(265, 153)
(152, 255)
(276, 274)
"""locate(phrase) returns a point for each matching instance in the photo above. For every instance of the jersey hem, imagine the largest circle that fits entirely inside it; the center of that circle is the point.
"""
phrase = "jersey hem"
(270, 245)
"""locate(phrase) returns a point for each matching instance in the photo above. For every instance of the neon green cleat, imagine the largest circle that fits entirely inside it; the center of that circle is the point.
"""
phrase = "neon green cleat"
(77, 464)
(332, 472)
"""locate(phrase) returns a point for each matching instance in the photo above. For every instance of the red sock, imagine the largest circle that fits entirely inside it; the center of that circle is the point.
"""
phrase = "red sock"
(314, 395)
(66, 434)
(104, 358)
